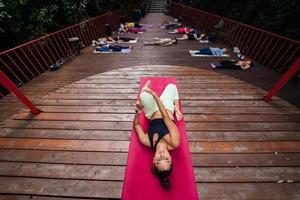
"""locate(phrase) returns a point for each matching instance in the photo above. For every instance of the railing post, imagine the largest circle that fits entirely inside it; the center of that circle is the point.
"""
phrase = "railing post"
(285, 78)
(9, 85)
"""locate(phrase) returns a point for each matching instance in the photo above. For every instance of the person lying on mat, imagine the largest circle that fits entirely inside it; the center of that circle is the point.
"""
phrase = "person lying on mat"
(100, 42)
(170, 25)
(112, 48)
(110, 40)
(132, 25)
(124, 29)
(137, 25)
(161, 41)
(233, 64)
(182, 30)
(191, 36)
(163, 134)
(119, 39)
(211, 51)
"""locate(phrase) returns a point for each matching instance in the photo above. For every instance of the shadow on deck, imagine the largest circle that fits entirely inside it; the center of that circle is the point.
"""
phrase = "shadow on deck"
(241, 147)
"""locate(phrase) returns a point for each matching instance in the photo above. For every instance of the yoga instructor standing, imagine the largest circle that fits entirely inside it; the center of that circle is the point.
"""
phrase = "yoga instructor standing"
(163, 134)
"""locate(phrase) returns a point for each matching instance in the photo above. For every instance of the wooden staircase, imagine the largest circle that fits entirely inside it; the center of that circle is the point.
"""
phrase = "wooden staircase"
(157, 6)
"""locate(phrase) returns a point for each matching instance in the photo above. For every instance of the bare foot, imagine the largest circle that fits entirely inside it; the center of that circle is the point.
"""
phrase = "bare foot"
(147, 84)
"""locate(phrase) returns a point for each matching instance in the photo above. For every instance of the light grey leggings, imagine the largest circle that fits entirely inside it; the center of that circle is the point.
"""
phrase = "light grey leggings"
(169, 95)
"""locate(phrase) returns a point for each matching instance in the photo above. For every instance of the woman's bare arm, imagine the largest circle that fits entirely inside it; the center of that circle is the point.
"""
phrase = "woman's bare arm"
(139, 130)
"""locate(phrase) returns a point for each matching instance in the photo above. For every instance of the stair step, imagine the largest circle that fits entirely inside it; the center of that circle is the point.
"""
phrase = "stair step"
(157, 6)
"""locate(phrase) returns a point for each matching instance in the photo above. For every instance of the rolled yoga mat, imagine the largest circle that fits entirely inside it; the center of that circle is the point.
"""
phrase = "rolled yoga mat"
(139, 182)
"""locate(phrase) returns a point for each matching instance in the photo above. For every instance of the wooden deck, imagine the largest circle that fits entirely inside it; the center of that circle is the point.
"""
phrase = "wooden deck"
(241, 147)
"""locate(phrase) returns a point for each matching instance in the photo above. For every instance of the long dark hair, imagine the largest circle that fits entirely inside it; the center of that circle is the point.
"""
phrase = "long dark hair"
(175, 40)
(163, 176)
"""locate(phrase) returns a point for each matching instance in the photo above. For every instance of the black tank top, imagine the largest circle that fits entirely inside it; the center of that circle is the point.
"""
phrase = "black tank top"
(157, 126)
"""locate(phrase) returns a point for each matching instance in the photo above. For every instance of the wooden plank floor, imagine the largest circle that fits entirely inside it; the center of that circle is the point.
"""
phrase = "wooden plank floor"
(241, 147)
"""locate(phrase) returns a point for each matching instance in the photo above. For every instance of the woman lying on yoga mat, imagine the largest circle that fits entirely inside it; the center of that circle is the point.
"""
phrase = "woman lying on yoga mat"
(211, 51)
(161, 41)
(124, 29)
(233, 64)
(163, 133)
(191, 36)
(110, 40)
(182, 30)
(113, 48)
(170, 25)
(119, 39)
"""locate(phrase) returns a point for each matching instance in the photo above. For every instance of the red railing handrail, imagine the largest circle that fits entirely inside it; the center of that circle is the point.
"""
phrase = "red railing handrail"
(27, 61)
(252, 27)
(284, 79)
(7, 83)
(275, 51)
(58, 31)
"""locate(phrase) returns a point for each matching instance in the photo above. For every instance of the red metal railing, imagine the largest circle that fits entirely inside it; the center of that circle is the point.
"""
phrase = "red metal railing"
(285, 78)
(7, 83)
(27, 61)
(277, 52)
(274, 51)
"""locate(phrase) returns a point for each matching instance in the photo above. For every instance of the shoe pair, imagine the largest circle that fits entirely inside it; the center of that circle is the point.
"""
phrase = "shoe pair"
(213, 65)
(204, 41)
(236, 50)
(58, 64)
(241, 56)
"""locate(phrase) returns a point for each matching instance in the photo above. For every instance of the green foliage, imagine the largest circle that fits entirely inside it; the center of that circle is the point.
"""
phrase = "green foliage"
(23, 20)
(40, 20)
(3, 16)
(278, 16)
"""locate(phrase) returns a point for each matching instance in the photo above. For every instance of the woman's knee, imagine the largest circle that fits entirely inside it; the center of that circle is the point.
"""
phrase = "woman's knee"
(145, 98)
(170, 91)
(172, 88)
(171, 85)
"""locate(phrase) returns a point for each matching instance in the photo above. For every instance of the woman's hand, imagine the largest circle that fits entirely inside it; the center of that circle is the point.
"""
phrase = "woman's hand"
(139, 106)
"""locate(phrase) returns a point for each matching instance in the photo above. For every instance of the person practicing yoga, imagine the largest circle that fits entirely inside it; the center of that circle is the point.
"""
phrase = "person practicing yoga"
(119, 39)
(137, 25)
(124, 29)
(191, 36)
(111, 40)
(161, 41)
(113, 48)
(99, 42)
(163, 134)
(233, 64)
(182, 30)
(211, 51)
(170, 25)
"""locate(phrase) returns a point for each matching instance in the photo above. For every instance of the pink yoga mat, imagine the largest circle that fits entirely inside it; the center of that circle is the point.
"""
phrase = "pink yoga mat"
(139, 182)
